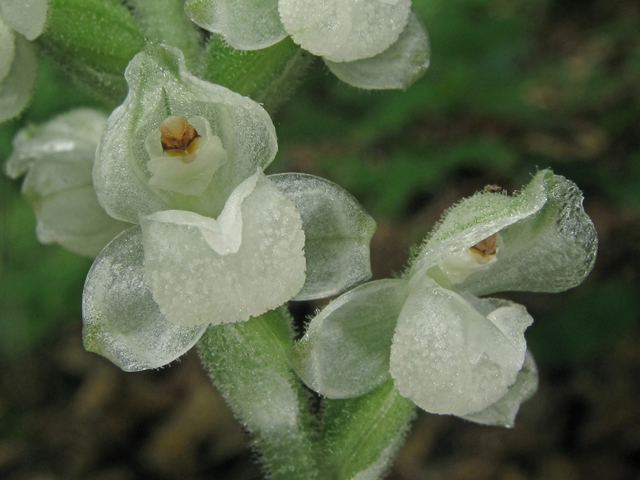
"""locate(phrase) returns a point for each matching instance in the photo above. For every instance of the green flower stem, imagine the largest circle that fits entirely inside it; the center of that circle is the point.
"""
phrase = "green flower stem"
(361, 435)
(164, 21)
(247, 362)
(93, 41)
(268, 76)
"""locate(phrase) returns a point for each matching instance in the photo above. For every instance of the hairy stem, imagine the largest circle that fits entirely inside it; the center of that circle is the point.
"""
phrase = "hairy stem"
(268, 76)
(248, 364)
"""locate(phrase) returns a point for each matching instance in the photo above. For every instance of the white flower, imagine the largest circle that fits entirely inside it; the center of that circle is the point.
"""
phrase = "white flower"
(154, 289)
(20, 21)
(447, 350)
(373, 44)
(57, 158)
(218, 242)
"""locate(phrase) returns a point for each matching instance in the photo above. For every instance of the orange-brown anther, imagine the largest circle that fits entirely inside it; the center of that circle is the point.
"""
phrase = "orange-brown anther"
(178, 137)
(486, 247)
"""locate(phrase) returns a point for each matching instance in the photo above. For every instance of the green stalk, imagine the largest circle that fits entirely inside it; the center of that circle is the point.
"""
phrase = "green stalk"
(268, 76)
(361, 435)
(248, 364)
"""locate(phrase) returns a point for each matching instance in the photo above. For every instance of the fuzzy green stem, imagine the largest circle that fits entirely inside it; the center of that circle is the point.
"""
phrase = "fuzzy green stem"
(362, 434)
(248, 364)
(268, 76)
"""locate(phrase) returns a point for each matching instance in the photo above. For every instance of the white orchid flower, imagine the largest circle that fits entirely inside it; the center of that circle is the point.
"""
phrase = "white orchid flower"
(447, 350)
(217, 241)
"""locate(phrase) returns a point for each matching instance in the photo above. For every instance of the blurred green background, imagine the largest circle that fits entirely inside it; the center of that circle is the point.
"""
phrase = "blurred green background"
(513, 86)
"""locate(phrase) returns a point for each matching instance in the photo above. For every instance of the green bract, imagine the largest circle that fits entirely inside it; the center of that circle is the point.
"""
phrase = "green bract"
(447, 350)
(57, 158)
(19, 21)
(373, 44)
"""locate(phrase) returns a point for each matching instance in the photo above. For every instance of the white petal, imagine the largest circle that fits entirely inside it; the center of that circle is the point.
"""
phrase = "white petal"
(194, 284)
(15, 87)
(504, 411)
(396, 67)
(25, 16)
(121, 320)
(344, 30)
(337, 234)
(244, 24)
(345, 351)
(160, 86)
(59, 158)
(450, 358)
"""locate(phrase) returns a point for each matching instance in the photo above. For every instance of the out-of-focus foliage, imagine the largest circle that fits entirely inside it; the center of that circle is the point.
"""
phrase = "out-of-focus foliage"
(513, 86)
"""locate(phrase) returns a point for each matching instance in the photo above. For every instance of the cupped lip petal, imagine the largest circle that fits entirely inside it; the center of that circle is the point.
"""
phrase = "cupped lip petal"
(212, 271)
(448, 357)
(344, 30)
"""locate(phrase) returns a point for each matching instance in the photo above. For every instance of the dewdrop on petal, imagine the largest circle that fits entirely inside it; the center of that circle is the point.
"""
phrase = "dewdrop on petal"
(184, 155)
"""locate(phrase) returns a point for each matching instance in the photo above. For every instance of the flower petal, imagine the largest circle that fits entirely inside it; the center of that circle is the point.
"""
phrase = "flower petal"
(550, 251)
(59, 158)
(160, 86)
(121, 320)
(396, 67)
(503, 412)
(198, 277)
(244, 24)
(477, 218)
(337, 234)
(345, 351)
(15, 87)
(452, 357)
(25, 17)
(344, 30)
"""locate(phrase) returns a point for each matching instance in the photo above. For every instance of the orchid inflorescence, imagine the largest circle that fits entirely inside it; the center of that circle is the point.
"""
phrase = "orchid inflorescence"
(195, 244)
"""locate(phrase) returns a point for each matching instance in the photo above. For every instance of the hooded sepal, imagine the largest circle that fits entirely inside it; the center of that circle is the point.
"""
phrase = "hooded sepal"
(160, 86)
